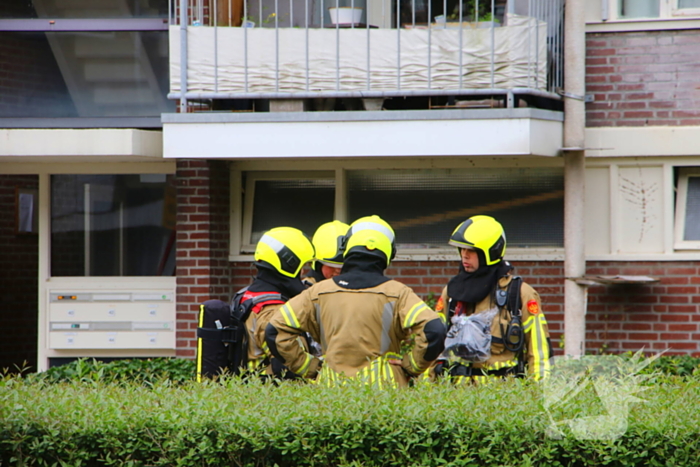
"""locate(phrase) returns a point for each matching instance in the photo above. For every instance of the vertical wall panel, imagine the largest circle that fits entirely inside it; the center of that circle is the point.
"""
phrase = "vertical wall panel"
(641, 209)
(597, 210)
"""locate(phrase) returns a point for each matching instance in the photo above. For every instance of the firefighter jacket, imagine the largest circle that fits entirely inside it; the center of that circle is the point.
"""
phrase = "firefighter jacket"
(361, 332)
(268, 292)
(255, 326)
(536, 352)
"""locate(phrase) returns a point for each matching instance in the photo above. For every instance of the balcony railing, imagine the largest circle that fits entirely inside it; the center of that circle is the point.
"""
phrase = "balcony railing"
(293, 49)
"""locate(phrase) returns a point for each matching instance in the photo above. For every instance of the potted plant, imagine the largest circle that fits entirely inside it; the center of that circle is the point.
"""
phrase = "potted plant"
(347, 12)
(475, 13)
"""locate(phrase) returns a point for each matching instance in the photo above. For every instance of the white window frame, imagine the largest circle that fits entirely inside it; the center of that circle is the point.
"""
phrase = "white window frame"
(667, 9)
(255, 176)
(241, 216)
(604, 16)
(682, 197)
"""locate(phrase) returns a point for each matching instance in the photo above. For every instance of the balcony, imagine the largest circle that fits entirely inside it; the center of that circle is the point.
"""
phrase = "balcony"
(425, 55)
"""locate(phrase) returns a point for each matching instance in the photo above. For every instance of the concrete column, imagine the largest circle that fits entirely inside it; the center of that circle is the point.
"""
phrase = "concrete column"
(574, 178)
(288, 105)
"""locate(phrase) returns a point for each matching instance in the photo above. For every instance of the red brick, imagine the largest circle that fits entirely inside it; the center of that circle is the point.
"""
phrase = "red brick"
(683, 327)
(682, 290)
(637, 326)
(677, 318)
(599, 70)
(674, 336)
(669, 279)
(600, 52)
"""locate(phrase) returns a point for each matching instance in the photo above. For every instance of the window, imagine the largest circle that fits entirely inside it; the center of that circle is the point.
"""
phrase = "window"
(276, 199)
(688, 209)
(422, 205)
(112, 225)
(649, 9)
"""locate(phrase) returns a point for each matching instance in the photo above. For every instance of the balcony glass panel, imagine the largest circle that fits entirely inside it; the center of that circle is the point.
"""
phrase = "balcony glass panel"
(57, 9)
(84, 74)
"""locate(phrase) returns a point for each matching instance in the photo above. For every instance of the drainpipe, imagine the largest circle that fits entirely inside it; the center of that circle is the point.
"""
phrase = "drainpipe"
(575, 295)
(183, 55)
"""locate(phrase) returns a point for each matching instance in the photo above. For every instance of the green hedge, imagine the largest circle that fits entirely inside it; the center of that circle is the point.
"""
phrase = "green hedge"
(89, 422)
(139, 371)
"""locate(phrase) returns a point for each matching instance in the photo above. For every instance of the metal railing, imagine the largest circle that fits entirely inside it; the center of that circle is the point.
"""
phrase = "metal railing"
(518, 50)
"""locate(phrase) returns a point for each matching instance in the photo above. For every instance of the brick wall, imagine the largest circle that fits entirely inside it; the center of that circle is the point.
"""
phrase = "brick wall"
(19, 269)
(660, 316)
(202, 266)
(643, 78)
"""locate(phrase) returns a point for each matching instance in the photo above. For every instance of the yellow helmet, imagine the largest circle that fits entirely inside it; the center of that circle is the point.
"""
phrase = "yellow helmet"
(371, 235)
(286, 249)
(328, 243)
(483, 234)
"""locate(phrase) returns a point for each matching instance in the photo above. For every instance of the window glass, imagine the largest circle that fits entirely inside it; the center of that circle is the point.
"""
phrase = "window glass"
(84, 9)
(85, 74)
(692, 210)
(639, 8)
(112, 225)
(688, 3)
(425, 206)
(303, 204)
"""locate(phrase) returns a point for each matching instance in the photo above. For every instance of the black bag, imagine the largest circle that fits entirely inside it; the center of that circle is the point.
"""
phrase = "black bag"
(224, 345)
(212, 351)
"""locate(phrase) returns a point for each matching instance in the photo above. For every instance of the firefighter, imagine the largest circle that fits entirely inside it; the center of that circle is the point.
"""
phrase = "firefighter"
(327, 242)
(360, 317)
(519, 337)
(279, 256)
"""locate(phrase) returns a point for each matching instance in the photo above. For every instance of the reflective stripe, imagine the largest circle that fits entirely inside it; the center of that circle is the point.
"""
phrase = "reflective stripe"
(273, 243)
(305, 367)
(373, 226)
(320, 325)
(199, 345)
(289, 317)
(443, 318)
(256, 351)
(413, 314)
(415, 366)
(500, 365)
(540, 349)
(527, 325)
(378, 374)
(387, 321)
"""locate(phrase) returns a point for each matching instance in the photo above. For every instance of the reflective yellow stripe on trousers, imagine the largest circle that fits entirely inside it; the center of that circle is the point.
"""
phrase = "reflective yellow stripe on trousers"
(534, 326)
(378, 373)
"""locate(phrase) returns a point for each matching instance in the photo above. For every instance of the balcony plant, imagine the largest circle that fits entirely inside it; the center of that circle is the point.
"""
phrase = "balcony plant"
(474, 13)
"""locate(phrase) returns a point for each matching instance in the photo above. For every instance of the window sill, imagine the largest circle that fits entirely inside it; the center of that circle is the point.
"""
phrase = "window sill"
(650, 24)
(449, 254)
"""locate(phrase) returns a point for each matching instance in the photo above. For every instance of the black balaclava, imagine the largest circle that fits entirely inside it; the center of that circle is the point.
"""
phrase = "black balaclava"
(316, 272)
(473, 287)
(361, 271)
(269, 280)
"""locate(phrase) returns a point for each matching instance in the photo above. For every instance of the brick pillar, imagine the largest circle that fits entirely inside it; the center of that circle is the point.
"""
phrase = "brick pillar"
(202, 265)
